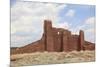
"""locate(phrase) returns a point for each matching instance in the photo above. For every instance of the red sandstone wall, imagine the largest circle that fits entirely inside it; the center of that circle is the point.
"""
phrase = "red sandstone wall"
(81, 40)
(88, 46)
(49, 43)
(33, 47)
(70, 42)
(75, 42)
(57, 37)
(65, 41)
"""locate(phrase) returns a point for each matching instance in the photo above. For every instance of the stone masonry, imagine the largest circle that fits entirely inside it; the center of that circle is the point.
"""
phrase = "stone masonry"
(58, 39)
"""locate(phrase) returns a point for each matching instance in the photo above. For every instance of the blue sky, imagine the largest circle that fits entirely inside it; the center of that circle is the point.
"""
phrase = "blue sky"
(81, 12)
(12, 2)
(27, 20)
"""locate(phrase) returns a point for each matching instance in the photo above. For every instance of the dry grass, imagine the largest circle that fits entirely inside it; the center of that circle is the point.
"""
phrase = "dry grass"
(51, 58)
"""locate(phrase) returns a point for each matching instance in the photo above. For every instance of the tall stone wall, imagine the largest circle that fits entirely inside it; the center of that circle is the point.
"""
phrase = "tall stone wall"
(49, 43)
(81, 40)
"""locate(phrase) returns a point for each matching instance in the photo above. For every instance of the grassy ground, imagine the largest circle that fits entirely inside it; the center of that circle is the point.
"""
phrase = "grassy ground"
(51, 58)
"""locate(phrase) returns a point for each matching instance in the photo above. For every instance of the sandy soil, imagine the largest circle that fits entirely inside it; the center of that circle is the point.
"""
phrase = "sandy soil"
(39, 58)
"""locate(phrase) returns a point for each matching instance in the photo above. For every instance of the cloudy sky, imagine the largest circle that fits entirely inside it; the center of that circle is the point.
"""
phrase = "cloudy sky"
(27, 20)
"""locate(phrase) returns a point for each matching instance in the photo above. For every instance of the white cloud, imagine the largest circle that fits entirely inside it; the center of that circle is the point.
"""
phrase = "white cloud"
(29, 16)
(92, 30)
(90, 24)
(70, 13)
(89, 28)
(64, 25)
(90, 20)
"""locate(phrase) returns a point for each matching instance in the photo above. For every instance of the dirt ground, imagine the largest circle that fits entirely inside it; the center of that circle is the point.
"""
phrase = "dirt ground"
(39, 58)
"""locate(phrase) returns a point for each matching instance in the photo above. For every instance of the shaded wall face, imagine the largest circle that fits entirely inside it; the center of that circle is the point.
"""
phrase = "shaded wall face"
(65, 41)
(75, 42)
(81, 40)
(70, 42)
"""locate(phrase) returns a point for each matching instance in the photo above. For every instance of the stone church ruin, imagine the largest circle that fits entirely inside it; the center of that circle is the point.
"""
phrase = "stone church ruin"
(56, 40)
